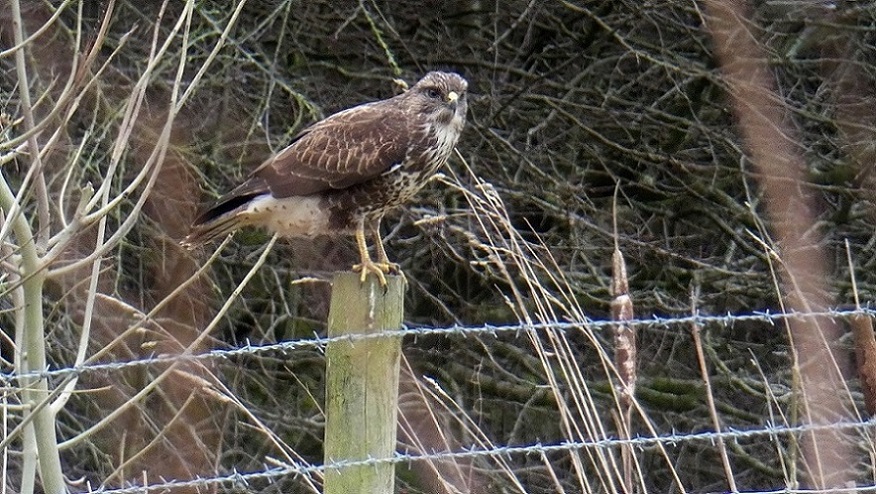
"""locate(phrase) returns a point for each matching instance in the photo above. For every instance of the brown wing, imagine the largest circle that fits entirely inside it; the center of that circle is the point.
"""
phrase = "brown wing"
(345, 149)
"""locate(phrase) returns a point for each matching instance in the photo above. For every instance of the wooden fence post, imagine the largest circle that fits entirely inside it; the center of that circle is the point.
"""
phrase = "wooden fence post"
(362, 383)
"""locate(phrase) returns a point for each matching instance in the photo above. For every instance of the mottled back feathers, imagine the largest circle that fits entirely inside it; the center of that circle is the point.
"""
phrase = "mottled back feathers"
(351, 150)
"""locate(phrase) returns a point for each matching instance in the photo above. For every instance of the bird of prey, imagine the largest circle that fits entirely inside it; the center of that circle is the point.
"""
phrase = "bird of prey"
(343, 173)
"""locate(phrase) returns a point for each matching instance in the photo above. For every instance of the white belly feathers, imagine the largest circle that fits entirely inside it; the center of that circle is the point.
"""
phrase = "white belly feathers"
(292, 216)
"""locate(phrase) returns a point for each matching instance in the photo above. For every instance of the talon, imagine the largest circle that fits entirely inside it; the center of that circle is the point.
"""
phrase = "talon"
(383, 266)
(403, 277)
(377, 269)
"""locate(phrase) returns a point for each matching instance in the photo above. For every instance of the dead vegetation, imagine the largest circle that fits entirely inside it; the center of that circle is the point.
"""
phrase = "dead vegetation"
(726, 154)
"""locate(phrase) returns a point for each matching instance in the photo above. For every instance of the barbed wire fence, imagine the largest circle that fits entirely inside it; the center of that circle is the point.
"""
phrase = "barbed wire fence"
(552, 140)
(456, 330)
(236, 480)
(772, 431)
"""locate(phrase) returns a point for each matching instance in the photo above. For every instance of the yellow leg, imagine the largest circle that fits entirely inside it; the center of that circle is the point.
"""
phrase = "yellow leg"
(366, 265)
(382, 259)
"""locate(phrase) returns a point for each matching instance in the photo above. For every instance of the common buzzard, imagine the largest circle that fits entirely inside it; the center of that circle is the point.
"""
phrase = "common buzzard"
(342, 174)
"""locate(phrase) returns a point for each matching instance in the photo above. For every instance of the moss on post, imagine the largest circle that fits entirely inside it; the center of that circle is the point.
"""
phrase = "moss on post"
(362, 383)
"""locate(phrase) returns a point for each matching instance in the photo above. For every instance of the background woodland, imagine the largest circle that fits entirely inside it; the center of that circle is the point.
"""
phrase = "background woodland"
(724, 149)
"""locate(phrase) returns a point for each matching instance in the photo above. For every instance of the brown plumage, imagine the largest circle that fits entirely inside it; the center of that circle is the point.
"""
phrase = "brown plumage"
(345, 172)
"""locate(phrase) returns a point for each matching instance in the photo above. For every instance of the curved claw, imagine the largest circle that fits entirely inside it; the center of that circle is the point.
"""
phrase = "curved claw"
(383, 266)
(391, 268)
(395, 269)
(377, 269)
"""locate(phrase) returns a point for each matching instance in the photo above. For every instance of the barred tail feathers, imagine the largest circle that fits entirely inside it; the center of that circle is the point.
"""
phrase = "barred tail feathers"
(207, 232)
(218, 221)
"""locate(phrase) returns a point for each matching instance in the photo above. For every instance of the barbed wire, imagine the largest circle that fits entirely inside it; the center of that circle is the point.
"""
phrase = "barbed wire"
(319, 342)
(272, 474)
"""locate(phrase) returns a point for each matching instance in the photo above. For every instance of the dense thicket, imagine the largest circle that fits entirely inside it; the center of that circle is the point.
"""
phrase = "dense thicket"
(594, 122)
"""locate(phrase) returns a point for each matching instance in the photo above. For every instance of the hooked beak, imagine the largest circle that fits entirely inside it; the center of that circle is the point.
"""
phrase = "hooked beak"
(453, 99)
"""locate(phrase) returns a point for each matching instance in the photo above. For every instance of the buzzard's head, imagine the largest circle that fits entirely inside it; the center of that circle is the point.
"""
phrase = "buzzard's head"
(440, 96)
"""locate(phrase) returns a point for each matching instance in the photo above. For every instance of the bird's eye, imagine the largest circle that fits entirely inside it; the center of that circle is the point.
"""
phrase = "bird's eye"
(433, 93)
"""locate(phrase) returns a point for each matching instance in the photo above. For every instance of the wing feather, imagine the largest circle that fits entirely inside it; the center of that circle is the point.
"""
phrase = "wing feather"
(343, 150)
